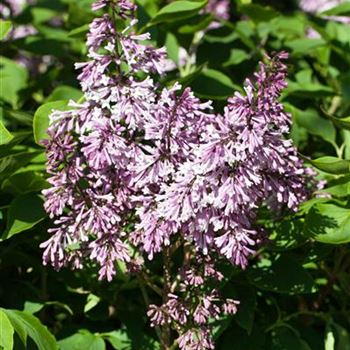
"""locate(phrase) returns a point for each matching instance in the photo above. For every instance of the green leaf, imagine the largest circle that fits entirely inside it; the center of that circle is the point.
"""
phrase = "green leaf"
(26, 325)
(80, 31)
(13, 160)
(259, 13)
(287, 338)
(21, 117)
(64, 92)
(328, 223)
(41, 14)
(246, 310)
(314, 124)
(43, 46)
(329, 341)
(32, 307)
(339, 187)
(340, 10)
(119, 340)
(287, 27)
(178, 10)
(24, 213)
(14, 77)
(213, 84)
(41, 118)
(60, 305)
(342, 337)
(336, 337)
(331, 165)
(188, 79)
(172, 47)
(305, 46)
(237, 56)
(91, 302)
(5, 135)
(196, 27)
(236, 338)
(288, 234)
(340, 122)
(82, 340)
(5, 27)
(285, 275)
(307, 86)
(6, 332)
(24, 182)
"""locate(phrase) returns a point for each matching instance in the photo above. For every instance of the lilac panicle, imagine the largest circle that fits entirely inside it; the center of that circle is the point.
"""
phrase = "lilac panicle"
(187, 177)
(241, 161)
(91, 148)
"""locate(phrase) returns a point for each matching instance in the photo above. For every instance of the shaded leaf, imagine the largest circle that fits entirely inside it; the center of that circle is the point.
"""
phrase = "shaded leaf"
(237, 56)
(25, 212)
(314, 124)
(178, 10)
(32, 307)
(331, 165)
(12, 160)
(213, 84)
(24, 182)
(259, 13)
(64, 92)
(41, 118)
(288, 338)
(305, 46)
(285, 275)
(82, 340)
(328, 223)
(5, 135)
(340, 122)
(14, 77)
(5, 27)
(6, 332)
(80, 31)
(91, 302)
(340, 10)
(26, 325)
(119, 340)
(246, 311)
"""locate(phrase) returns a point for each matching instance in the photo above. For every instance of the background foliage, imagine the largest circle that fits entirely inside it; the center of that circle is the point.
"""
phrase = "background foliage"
(296, 293)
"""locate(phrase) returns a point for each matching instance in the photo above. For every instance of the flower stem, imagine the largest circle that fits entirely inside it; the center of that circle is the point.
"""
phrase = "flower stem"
(166, 335)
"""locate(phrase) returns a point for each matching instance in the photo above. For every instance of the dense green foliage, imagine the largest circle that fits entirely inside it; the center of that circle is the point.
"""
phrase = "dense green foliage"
(296, 293)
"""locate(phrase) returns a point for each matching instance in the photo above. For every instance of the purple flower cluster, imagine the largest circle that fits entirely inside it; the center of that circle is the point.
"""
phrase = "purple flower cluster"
(92, 148)
(239, 161)
(194, 305)
(137, 168)
(219, 8)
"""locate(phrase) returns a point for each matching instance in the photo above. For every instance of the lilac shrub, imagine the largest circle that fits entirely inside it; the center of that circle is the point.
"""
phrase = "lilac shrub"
(140, 170)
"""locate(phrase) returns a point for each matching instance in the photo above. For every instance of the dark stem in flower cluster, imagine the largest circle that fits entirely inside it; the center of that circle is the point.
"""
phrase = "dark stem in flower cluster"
(166, 332)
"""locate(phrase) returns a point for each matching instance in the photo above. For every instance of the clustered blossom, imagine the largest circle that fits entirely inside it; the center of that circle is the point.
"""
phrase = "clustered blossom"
(92, 147)
(195, 303)
(240, 160)
(140, 167)
(220, 9)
